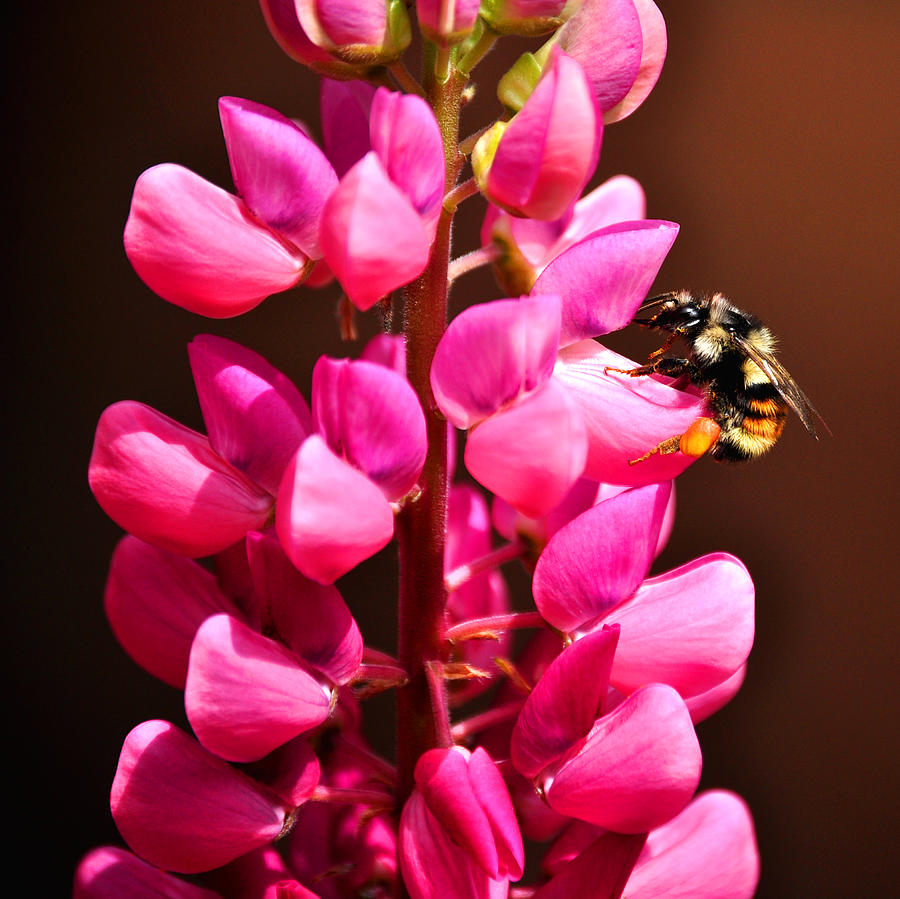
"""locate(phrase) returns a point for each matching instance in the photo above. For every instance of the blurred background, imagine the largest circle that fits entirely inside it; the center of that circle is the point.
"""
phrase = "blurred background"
(771, 138)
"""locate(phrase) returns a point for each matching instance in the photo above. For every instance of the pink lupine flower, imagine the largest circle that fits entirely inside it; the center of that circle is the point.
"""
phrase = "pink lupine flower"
(184, 809)
(537, 164)
(527, 17)
(345, 108)
(256, 875)
(218, 254)
(447, 22)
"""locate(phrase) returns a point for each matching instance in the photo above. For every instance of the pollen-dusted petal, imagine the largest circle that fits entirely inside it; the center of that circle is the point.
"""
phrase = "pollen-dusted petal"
(637, 768)
(532, 452)
(163, 483)
(183, 808)
(155, 601)
(626, 417)
(329, 516)
(565, 702)
(369, 259)
(369, 415)
(493, 352)
(604, 278)
(691, 628)
(345, 109)
(707, 852)
(246, 694)
(601, 557)
(255, 417)
(200, 248)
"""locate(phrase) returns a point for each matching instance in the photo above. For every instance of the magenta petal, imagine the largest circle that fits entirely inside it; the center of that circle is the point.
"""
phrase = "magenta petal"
(163, 483)
(329, 516)
(345, 109)
(371, 416)
(565, 702)
(626, 417)
(336, 22)
(182, 808)
(246, 694)
(199, 248)
(604, 278)
(281, 19)
(313, 620)
(493, 352)
(254, 415)
(601, 557)
(705, 704)
(707, 852)
(638, 767)
(155, 601)
(691, 628)
(406, 137)
(292, 771)
(531, 453)
(369, 259)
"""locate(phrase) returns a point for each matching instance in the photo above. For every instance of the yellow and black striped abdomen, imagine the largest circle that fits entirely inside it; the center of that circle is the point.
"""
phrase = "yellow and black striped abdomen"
(753, 423)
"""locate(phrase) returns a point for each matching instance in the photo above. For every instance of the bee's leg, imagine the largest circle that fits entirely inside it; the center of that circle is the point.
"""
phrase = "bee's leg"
(700, 436)
(666, 448)
(671, 366)
(664, 348)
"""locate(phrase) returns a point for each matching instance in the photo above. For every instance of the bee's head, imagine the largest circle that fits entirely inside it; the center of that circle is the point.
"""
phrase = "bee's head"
(678, 313)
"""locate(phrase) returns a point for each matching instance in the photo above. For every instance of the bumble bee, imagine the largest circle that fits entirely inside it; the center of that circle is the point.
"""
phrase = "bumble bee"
(732, 359)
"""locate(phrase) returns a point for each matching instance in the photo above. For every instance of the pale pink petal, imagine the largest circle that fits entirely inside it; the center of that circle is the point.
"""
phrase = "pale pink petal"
(155, 601)
(705, 704)
(369, 259)
(200, 248)
(246, 694)
(638, 767)
(619, 199)
(447, 20)
(604, 278)
(329, 516)
(184, 809)
(626, 417)
(531, 453)
(162, 482)
(600, 558)
(345, 109)
(493, 352)
(255, 417)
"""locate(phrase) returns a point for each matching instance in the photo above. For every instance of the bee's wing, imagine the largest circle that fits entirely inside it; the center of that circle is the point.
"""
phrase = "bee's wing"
(786, 386)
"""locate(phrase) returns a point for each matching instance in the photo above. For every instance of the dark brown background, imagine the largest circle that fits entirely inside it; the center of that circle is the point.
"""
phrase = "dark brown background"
(771, 138)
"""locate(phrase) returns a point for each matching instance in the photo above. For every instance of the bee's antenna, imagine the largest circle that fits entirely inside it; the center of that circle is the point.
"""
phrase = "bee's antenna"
(653, 302)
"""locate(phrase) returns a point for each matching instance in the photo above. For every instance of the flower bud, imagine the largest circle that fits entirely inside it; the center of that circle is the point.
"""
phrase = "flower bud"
(447, 22)
(527, 17)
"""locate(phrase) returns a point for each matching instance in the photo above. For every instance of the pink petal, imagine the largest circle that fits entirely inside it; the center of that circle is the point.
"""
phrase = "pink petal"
(368, 259)
(638, 767)
(619, 199)
(626, 417)
(493, 352)
(281, 19)
(292, 771)
(331, 23)
(313, 620)
(182, 808)
(705, 704)
(199, 247)
(604, 278)
(371, 416)
(329, 516)
(155, 601)
(163, 483)
(707, 852)
(254, 415)
(447, 20)
(600, 558)
(252, 876)
(246, 694)
(565, 702)
(531, 453)
(388, 350)
(345, 109)
(691, 628)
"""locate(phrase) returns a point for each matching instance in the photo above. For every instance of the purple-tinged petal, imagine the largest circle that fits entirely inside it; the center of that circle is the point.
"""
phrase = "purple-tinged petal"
(312, 619)
(183, 808)
(637, 768)
(254, 415)
(707, 852)
(604, 278)
(599, 559)
(200, 248)
(111, 873)
(345, 109)
(705, 704)
(246, 694)
(626, 417)
(371, 416)
(565, 702)
(691, 628)
(155, 601)
(161, 482)
(493, 352)
(407, 140)
(282, 176)
(532, 452)
(369, 259)
(329, 516)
